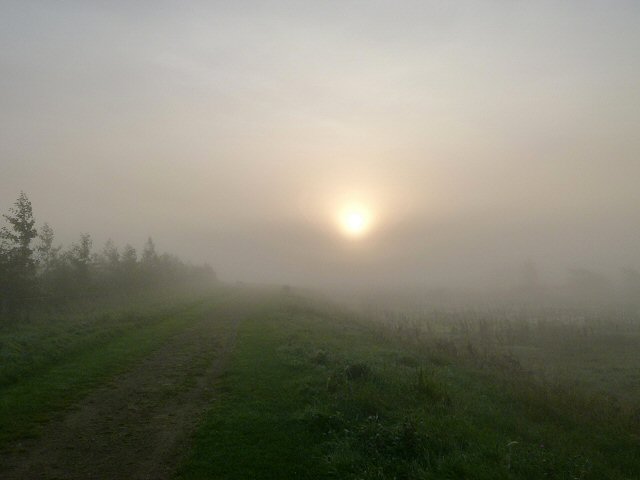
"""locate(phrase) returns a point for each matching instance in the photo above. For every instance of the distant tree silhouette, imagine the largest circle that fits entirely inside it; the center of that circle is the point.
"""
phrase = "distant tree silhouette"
(47, 254)
(110, 256)
(80, 258)
(43, 272)
(149, 255)
(149, 263)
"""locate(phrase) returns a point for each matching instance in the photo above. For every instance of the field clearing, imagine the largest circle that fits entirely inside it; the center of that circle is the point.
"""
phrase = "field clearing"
(594, 350)
(315, 392)
(246, 383)
(609, 364)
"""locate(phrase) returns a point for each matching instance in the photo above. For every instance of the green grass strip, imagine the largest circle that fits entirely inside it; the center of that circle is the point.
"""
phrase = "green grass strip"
(311, 395)
(36, 399)
(252, 431)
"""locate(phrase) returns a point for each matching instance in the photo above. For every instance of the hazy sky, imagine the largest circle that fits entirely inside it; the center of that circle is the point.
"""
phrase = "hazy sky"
(478, 134)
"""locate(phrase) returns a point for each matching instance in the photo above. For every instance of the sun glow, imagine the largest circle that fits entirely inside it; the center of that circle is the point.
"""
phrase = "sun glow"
(355, 221)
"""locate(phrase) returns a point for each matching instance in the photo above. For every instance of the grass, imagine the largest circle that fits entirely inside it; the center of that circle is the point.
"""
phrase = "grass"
(595, 349)
(49, 365)
(311, 393)
(315, 392)
(27, 345)
(258, 394)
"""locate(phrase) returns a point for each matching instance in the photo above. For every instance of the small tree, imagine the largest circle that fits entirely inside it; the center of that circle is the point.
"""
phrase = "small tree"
(149, 255)
(129, 263)
(111, 256)
(17, 263)
(47, 254)
(80, 257)
(4, 272)
(109, 268)
(48, 261)
(149, 263)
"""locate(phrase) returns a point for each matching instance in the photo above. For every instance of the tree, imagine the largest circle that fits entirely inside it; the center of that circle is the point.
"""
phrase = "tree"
(149, 263)
(80, 256)
(109, 268)
(48, 262)
(129, 263)
(27, 268)
(4, 272)
(18, 264)
(129, 257)
(149, 255)
(111, 256)
(47, 254)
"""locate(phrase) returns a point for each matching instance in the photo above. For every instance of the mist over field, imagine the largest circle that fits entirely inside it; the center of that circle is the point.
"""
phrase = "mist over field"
(319, 240)
(477, 136)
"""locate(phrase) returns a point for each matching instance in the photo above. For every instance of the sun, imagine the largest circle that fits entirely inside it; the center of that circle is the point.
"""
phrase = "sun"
(355, 221)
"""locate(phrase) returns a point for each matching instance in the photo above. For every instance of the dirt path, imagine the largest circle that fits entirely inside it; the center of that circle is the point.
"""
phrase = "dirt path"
(138, 425)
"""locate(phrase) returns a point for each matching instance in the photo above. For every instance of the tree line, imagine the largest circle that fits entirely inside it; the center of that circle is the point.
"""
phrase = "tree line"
(34, 270)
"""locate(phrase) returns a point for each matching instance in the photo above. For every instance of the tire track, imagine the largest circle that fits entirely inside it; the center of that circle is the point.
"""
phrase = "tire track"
(138, 425)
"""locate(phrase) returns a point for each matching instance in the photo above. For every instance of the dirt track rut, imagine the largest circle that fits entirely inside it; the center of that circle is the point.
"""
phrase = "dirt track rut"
(138, 425)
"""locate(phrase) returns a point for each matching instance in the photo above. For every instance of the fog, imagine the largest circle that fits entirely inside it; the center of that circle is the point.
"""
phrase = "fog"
(478, 136)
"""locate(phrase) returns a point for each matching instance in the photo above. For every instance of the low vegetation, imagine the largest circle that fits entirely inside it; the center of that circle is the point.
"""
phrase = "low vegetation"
(594, 350)
(313, 392)
(49, 362)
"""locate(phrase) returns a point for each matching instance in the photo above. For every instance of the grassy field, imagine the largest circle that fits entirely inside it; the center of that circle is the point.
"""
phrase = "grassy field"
(51, 361)
(595, 350)
(304, 390)
(311, 393)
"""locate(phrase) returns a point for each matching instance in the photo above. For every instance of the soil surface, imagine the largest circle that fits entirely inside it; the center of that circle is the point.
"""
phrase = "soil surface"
(139, 424)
